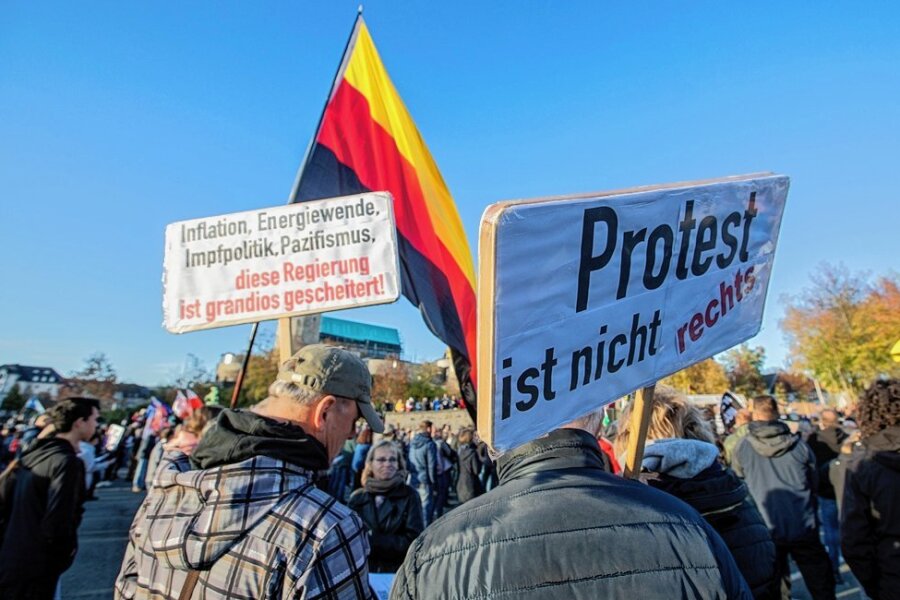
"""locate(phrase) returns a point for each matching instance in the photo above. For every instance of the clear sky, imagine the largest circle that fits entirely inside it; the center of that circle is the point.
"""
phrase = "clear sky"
(117, 118)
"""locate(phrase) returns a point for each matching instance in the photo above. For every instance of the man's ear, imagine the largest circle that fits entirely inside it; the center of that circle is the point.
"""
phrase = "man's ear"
(323, 408)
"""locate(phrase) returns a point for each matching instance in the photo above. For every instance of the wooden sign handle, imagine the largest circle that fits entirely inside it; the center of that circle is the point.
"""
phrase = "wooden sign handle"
(640, 421)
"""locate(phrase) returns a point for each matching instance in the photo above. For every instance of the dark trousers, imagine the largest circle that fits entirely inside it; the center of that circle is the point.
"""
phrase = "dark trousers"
(813, 562)
(442, 492)
(33, 589)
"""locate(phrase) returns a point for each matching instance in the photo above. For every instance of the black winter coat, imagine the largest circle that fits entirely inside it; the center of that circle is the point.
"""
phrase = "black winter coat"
(826, 446)
(41, 537)
(558, 526)
(723, 500)
(392, 526)
(870, 515)
(469, 485)
(780, 472)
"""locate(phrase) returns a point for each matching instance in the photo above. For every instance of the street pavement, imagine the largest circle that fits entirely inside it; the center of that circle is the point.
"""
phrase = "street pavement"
(104, 534)
(102, 538)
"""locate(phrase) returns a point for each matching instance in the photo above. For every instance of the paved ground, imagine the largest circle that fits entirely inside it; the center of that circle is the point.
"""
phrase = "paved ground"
(101, 543)
(104, 534)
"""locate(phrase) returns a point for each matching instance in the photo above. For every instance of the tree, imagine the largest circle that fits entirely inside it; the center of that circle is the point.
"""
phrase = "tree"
(704, 377)
(389, 384)
(14, 399)
(743, 365)
(261, 372)
(192, 372)
(97, 379)
(840, 329)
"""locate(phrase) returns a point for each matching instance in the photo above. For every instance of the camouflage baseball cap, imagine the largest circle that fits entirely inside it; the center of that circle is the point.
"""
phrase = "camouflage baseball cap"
(335, 371)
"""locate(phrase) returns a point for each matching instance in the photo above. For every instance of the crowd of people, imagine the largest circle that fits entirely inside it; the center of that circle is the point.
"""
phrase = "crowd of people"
(445, 402)
(295, 498)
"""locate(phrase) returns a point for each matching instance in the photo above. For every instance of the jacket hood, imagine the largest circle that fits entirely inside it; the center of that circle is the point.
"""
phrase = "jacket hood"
(559, 449)
(45, 449)
(885, 447)
(679, 458)
(420, 439)
(240, 435)
(193, 517)
(771, 438)
(713, 490)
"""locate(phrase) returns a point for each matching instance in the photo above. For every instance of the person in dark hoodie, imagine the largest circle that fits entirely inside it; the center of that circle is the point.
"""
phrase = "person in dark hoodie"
(41, 539)
(681, 458)
(423, 458)
(870, 512)
(243, 516)
(780, 471)
(468, 484)
(826, 446)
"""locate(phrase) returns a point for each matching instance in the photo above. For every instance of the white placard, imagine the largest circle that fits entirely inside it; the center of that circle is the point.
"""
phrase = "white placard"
(585, 299)
(289, 260)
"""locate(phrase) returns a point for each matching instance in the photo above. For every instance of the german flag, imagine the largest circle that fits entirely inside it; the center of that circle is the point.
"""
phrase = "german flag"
(367, 141)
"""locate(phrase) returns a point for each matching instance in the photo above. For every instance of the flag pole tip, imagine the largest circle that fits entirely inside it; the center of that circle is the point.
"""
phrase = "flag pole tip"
(359, 9)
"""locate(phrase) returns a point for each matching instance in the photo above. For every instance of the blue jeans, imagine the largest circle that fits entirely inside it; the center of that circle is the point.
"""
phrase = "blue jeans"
(828, 514)
(426, 495)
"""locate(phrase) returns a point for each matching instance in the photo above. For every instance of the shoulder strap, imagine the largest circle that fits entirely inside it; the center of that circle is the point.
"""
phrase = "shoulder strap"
(190, 583)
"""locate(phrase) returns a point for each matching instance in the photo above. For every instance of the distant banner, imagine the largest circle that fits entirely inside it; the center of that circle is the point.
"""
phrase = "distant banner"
(585, 299)
(290, 260)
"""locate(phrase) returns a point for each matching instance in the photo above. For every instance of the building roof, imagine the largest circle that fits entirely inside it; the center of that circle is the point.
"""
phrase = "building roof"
(33, 374)
(360, 332)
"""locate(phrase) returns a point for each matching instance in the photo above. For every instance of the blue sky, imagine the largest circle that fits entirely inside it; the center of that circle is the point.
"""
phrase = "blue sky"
(118, 118)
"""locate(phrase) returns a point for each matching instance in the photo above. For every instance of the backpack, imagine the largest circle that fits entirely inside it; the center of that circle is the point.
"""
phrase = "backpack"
(7, 489)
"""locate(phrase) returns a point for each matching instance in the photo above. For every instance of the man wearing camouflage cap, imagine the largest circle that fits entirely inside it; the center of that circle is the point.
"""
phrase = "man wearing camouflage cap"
(242, 517)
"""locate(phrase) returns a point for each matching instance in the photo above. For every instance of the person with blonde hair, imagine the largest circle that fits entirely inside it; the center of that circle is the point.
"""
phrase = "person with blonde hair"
(390, 509)
(681, 458)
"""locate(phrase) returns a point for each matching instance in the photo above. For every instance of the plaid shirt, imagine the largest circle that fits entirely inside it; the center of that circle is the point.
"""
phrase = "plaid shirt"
(255, 529)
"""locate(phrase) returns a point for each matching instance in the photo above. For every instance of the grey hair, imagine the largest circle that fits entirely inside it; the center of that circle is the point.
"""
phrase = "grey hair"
(288, 389)
(590, 422)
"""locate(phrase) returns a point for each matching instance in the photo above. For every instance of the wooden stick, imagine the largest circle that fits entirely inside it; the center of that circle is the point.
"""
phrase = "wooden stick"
(640, 421)
(285, 339)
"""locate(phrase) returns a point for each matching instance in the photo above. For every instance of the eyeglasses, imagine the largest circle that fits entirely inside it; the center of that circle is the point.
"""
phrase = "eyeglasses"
(382, 459)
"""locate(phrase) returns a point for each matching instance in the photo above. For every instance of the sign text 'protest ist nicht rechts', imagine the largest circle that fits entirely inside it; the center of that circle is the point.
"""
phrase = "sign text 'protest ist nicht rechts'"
(584, 299)
(298, 259)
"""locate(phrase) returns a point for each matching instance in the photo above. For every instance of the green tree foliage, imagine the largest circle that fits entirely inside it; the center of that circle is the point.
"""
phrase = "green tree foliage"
(841, 328)
(743, 366)
(704, 377)
(14, 399)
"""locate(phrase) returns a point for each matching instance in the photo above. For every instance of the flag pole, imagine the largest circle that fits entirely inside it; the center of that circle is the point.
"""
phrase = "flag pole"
(640, 421)
(284, 334)
(246, 361)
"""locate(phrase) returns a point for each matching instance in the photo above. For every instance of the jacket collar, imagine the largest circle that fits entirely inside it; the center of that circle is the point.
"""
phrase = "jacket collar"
(559, 449)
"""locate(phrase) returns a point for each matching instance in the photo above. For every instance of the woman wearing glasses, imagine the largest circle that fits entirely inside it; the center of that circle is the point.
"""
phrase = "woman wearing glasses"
(390, 509)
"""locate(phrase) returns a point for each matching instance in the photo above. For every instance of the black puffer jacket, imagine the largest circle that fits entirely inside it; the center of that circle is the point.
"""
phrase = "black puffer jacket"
(40, 540)
(392, 526)
(870, 516)
(557, 526)
(723, 500)
(468, 485)
(780, 471)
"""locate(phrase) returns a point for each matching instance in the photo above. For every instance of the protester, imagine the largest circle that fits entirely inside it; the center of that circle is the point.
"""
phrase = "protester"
(423, 458)
(468, 483)
(390, 509)
(41, 540)
(741, 425)
(870, 513)
(446, 460)
(837, 470)
(242, 516)
(358, 464)
(558, 526)
(780, 470)
(30, 435)
(826, 446)
(681, 458)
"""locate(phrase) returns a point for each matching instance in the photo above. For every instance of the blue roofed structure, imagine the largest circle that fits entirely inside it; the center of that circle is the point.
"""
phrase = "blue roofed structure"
(370, 341)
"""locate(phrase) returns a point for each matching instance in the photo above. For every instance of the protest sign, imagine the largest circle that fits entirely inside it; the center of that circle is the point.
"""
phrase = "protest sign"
(285, 261)
(584, 299)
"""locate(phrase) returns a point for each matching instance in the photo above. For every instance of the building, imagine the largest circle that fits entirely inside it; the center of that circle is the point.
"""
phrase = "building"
(31, 381)
(131, 395)
(364, 339)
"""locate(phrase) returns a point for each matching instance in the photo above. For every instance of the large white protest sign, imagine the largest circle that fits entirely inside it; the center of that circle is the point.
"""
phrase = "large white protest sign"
(584, 299)
(290, 260)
